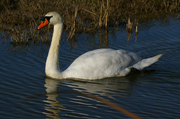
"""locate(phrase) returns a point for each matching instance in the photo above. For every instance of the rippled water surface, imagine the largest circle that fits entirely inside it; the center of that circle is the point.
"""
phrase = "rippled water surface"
(25, 92)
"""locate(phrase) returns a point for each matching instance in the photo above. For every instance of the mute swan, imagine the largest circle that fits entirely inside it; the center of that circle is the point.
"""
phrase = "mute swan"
(96, 64)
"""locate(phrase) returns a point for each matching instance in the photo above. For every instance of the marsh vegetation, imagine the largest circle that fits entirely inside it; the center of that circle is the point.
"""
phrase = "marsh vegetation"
(19, 18)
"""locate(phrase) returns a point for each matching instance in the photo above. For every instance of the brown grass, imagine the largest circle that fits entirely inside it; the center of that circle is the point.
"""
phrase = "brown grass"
(21, 17)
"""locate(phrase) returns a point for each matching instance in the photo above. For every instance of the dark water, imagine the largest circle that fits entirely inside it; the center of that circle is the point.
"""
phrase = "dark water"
(151, 94)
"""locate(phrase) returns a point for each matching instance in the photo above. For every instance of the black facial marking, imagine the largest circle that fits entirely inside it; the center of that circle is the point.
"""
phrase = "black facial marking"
(45, 17)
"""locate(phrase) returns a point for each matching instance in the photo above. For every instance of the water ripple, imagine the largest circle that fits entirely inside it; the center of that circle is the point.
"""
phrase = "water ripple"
(149, 94)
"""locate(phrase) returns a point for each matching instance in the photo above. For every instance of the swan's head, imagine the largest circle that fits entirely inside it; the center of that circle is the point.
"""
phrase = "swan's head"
(51, 18)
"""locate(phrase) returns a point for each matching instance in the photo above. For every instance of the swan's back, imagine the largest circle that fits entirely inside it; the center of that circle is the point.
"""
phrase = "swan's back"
(101, 63)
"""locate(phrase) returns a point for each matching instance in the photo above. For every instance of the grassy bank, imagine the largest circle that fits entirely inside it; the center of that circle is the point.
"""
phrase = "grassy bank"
(21, 17)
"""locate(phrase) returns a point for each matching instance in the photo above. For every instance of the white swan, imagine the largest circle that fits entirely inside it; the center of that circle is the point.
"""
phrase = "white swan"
(96, 64)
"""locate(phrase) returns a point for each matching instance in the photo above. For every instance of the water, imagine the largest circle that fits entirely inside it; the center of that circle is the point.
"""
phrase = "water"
(26, 93)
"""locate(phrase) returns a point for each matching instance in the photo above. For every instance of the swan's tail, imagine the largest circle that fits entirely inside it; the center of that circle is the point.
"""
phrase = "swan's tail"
(146, 62)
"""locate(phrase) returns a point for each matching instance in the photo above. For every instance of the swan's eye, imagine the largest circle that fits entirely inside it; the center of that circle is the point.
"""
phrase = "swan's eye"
(46, 17)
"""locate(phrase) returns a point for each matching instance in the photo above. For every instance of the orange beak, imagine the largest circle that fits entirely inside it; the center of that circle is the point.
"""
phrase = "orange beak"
(43, 23)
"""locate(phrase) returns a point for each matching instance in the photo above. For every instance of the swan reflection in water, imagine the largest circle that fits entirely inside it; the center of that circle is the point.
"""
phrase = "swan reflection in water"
(51, 103)
(65, 90)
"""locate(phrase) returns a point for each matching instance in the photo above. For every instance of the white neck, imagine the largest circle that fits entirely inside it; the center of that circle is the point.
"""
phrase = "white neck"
(52, 62)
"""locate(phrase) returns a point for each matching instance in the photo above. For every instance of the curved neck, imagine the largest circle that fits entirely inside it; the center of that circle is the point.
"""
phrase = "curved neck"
(52, 62)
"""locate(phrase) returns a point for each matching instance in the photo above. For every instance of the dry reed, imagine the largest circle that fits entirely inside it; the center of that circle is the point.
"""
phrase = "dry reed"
(21, 17)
